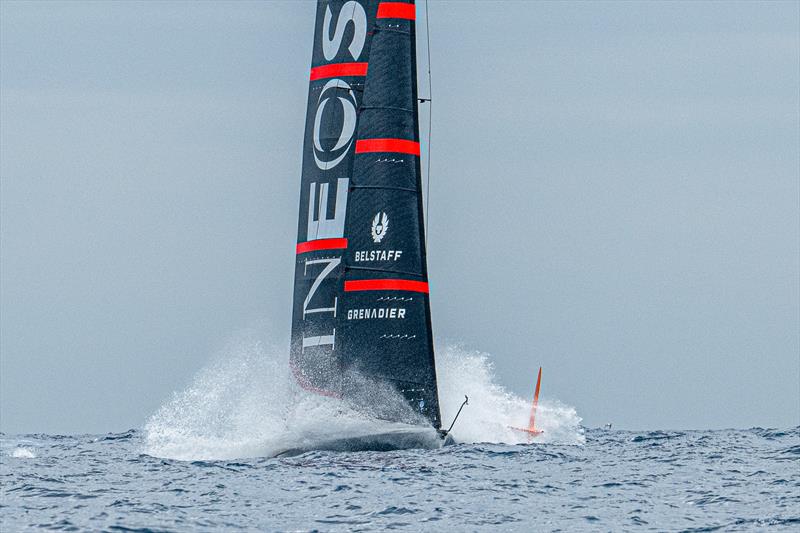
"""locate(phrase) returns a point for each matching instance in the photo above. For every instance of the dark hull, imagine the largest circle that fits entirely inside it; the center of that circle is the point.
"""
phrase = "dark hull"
(396, 439)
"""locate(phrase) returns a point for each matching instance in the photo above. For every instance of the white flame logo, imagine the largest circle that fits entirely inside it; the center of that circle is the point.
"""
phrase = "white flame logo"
(380, 225)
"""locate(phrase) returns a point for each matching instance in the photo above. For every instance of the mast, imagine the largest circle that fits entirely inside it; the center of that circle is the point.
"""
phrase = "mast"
(361, 286)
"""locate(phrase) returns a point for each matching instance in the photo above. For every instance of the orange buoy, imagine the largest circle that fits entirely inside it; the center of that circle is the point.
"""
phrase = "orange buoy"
(531, 430)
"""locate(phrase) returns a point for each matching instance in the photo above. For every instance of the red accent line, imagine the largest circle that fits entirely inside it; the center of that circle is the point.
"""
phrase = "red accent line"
(396, 10)
(386, 285)
(401, 146)
(338, 69)
(321, 244)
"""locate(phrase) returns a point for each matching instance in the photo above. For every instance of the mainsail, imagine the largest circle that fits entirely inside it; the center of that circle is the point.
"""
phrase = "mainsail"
(361, 312)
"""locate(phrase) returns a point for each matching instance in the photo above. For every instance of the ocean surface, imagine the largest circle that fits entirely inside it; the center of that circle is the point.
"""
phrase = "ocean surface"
(205, 461)
(731, 480)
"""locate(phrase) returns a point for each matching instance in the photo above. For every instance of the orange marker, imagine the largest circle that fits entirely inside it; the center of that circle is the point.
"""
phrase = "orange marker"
(532, 431)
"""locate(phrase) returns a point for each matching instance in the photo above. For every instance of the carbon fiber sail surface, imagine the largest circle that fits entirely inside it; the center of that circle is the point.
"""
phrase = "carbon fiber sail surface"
(361, 316)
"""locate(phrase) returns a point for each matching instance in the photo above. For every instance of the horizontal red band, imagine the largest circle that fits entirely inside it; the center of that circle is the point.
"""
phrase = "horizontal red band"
(338, 69)
(386, 285)
(396, 10)
(387, 145)
(321, 244)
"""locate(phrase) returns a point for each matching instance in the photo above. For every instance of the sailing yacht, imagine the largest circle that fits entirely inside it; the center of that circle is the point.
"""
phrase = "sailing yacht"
(361, 321)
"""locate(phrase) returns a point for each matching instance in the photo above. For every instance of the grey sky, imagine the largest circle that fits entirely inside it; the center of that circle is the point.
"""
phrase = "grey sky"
(614, 196)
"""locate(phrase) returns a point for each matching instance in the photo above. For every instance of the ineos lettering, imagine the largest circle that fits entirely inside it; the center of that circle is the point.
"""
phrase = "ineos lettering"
(323, 227)
(320, 340)
(331, 264)
(326, 157)
(351, 12)
(338, 90)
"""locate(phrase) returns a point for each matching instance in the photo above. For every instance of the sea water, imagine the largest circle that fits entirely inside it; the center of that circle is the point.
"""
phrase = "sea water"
(202, 463)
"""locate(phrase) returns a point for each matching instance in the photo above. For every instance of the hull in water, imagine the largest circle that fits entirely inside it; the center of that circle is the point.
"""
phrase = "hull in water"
(398, 437)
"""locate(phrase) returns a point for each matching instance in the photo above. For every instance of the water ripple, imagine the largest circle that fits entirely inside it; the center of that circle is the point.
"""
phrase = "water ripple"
(618, 480)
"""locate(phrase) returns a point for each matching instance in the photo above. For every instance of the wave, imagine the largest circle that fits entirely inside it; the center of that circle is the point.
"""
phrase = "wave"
(23, 453)
(492, 410)
(244, 404)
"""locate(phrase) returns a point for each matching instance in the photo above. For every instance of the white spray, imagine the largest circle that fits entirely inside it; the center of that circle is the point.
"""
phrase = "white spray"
(492, 409)
(242, 405)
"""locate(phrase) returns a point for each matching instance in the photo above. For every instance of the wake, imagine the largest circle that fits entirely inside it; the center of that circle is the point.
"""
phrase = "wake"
(244, 404)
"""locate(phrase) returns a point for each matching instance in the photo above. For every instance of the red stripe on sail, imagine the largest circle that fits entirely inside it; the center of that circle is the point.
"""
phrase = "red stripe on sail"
(401, 146)
(321, 244)
(396, 10)
(386, 285)
(338, 69)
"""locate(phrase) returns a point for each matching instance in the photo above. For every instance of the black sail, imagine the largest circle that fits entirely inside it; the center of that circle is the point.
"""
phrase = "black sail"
(361, 305)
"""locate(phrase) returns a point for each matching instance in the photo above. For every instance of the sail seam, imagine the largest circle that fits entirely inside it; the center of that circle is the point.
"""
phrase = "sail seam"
(372, 269)
(392, 30)
(386, 107)
(381, 187)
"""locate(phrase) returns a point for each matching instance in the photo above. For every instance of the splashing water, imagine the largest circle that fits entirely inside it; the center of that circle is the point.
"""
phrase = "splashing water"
(235, 407)
(23, 453)
(492, 409)
(243, 404)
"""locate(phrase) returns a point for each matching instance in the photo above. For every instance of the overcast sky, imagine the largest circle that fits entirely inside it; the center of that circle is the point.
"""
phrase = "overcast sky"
(614, 196)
